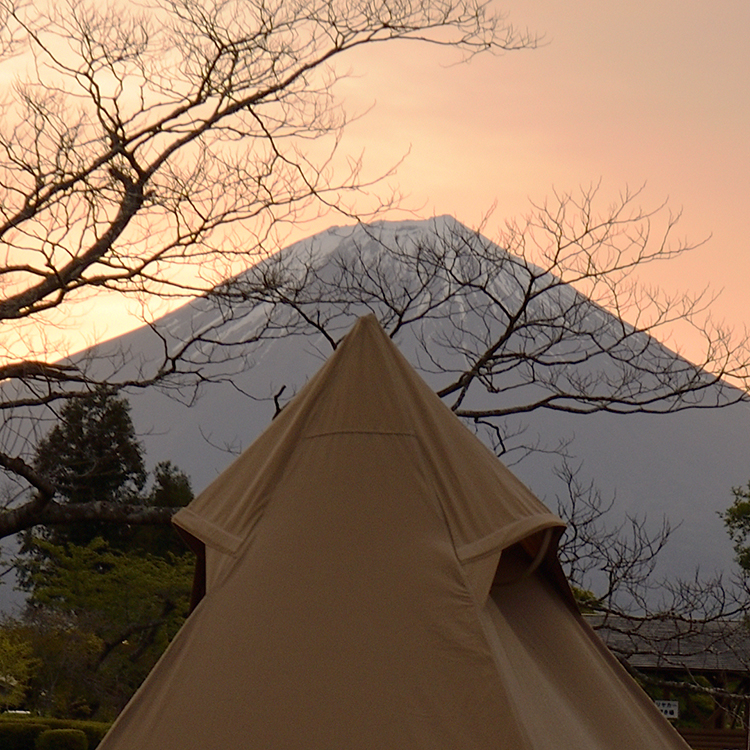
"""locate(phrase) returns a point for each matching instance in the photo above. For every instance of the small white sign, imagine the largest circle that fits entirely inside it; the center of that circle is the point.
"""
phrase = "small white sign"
(670, 709)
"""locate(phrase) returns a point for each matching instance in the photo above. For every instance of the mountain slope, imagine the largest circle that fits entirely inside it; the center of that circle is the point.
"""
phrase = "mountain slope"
(444, 293)
(679, 465)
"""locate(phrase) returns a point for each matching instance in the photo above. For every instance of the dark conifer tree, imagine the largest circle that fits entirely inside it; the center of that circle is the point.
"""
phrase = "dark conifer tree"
(170, 489)
(91, 455)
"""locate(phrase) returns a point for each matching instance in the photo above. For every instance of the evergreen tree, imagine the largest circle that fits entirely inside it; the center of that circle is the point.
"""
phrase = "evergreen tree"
(737, 520)
(115, 593)
(92, 454)
(98, 619)
(170, 489)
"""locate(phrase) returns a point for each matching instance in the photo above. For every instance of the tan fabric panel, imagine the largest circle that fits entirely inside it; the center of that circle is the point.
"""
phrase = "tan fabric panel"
(346, 623)
(566, 689)
(349, 555)
(368, 387)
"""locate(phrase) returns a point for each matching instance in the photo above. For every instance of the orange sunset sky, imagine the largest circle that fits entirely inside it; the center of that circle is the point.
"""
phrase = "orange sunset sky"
(629, 93)
(654, 93)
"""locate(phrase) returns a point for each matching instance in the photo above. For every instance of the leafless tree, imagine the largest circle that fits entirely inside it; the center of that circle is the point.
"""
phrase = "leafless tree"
(11, 32)
(152, 148)
(149, 146)
(503, 329)
(508, 327)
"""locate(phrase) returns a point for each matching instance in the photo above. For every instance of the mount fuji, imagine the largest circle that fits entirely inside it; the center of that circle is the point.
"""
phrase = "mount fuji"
(679, 465)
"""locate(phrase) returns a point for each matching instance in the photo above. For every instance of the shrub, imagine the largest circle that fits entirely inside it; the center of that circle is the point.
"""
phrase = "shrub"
(62, 739)
(19, 735)
(94, 730)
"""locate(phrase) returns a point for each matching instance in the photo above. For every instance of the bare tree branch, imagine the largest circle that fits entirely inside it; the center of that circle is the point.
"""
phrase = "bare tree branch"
(144, 140)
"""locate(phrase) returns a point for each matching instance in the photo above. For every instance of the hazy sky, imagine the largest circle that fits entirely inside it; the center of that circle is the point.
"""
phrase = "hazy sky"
(653, 92)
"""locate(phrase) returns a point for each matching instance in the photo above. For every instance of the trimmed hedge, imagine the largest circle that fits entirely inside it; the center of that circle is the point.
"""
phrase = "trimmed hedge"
(20, 735)
(23, 739)
(94, 730)
(62, 739)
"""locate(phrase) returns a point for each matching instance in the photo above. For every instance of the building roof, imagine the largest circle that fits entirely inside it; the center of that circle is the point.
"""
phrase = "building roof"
(671, 644)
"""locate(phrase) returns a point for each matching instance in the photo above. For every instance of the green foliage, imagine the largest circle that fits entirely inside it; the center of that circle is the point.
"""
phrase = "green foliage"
(171, 486)
(105, 599)
(16, 666)
(92, 455)
(17, 735)
(586, 600)
(110, 588)
(94, 730)
(62, 739)
(737, 520)
(117, 611)
(171, 489)
(65, 657)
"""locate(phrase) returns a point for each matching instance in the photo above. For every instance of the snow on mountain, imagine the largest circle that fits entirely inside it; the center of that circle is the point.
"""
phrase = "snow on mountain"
(681, 465)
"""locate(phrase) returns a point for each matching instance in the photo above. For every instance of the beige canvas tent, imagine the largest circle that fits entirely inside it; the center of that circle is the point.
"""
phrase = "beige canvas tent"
(376, 578)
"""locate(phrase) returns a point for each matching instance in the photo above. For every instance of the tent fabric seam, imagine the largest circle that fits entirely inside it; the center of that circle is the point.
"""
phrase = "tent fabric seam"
(328, 433)
(209, 533)
(507, 536)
